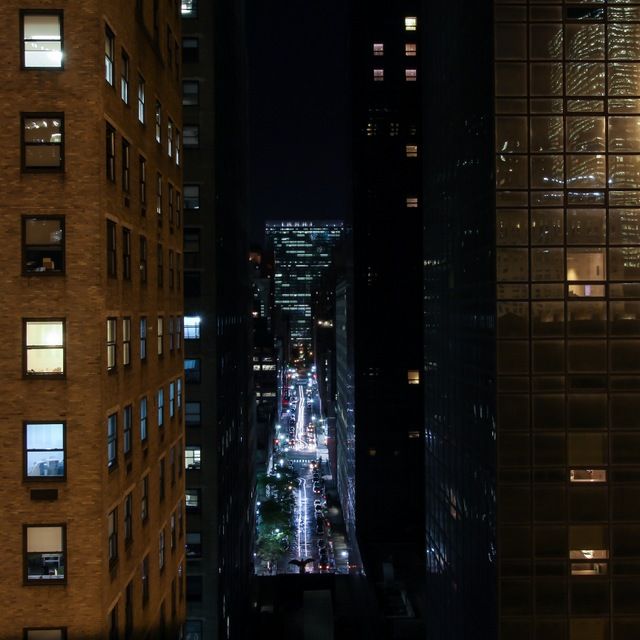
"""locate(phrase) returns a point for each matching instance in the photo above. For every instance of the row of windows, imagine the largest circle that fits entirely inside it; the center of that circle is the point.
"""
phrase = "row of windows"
(174, 402)
(410, 49)
(410, 75)
(174, 266)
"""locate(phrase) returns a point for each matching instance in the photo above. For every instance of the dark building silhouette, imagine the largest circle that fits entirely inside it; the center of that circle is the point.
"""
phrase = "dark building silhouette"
(387, 294)
(220, 437)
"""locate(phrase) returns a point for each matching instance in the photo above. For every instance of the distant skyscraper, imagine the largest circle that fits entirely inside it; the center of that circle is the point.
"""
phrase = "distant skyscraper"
(302, 252)
(533, 321)
(92, 368)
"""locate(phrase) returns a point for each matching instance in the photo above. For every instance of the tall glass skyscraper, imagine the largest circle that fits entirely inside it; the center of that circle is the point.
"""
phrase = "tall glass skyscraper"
(302, 253)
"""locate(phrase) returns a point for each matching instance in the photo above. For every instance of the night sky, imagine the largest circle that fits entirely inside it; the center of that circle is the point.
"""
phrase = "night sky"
(299, 111)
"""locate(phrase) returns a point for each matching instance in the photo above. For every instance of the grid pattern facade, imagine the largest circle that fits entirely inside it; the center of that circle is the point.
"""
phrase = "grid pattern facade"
(303, 251)
(567, 143)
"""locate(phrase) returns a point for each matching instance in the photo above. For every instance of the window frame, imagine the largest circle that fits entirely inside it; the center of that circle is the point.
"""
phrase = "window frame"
(110, 152)
(112, 537)
(160, 407)
(125, 65)
(141, 97)
(127, 430)
(126, 254)
(47, 272)
(160, 336)
(25, 551)
(112, 343)
(41, 12)
(144, 260)
(25, 348)
(112, 249)
(126, 341)
(109, 56)
(42, 115)
(112, 441)
(142, 183)
(158, 121)
(143, 420)
(126, 165)
(25, 452)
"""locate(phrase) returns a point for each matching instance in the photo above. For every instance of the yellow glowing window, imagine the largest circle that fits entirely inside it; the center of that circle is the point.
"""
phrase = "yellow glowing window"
(588, 475)
(410, 23)
(413, 435)
(412, 203)
(378, 75)
(413, 377)
(410, 49)
(378, 49)
(372, 452)
(411, 150)
(410, 75)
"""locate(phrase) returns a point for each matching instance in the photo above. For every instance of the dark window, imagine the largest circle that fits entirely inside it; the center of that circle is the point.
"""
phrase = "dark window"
(192, 370)
(191, 248)
(126, 341)
(124, 78)
(126, 166)
(111, 153)
(158, 121)
(194, 550)
(112, 440)
(586, 14)
(42, 41)
(190, 50)
(45, 547)
(193, 628)
(190, 93)
(143, 338)
(126, 254)
(144, 579)
(160, 404)
(161, 478)
(191, 197)
(128, 518)
(142, 167)
(109, 46)
(160, 335)
(44, 444)
(111, 343)
(42, 141)
(143, 259)
(144, 499)
(160, 266)
(172, 470)
(159, 198)
(191, 135)
(128, 612)
(112, 531)
(127, 424)
(193, 413)
(178, 210)
(43, 245)
(44, 347)
(112, 257)
(194, 583)
(172, 276)
(113, 624)
(192, 284)
(170, 199)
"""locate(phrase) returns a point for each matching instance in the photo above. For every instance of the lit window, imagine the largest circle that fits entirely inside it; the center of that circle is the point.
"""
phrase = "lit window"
(44, 444)
(45, 634)
(141, 99)
(112, 440)
(192, 327)
(188, 8)
(108, 55)
(591, 562)
(178, 151)
(192, 414)
(413, 435)
(127, 424)
(410, 49)
(192, 370)
(378, 75)
(190, 93)
(191, 197)
(43, 245)
(192, 498)
(160, 402)
(158, 121)
(160, 335)
(170, 138)
(112, 529)
(44, 347)
(413, 377)
(410, 75)
(410, 23)
(412, 203)
(172, 399)
(45, 546)
(192, 457)
(378, 49)
(126, 341)
(143, 338)
(124, 78)
(42, 141)
(411, 150)
(111, 343)
(588, 475)
(42, 40)
(191, 135)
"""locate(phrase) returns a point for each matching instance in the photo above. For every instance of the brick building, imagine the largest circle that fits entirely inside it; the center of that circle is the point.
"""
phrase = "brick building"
(91, 465)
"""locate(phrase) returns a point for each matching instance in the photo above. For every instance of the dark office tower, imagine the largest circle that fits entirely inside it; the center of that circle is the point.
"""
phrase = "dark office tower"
(217, 298)
(459, 376)
(302, 251)
(387, 288)
(567, 100)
